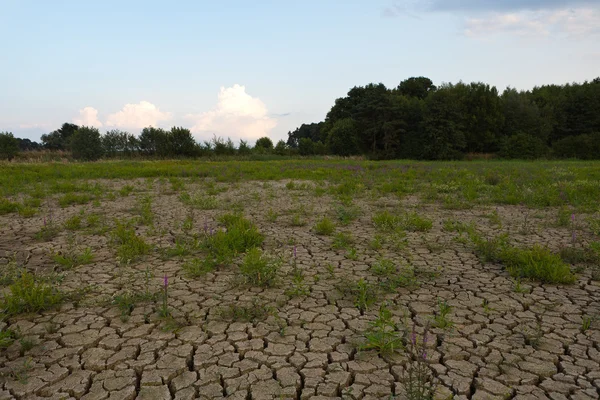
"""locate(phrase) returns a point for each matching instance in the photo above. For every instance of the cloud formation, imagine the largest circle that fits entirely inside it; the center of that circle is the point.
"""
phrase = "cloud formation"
(572, 22)
(138, 116)
(88, 116)
(508, 5)
(236, 115)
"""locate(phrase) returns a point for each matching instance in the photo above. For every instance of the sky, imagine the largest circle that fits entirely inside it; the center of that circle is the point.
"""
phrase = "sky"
(247, 69)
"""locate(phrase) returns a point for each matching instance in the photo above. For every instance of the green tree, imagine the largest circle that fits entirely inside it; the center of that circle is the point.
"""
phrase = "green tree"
(264, 143)
(118, 143)
(151, 139)
(180, 142)
(342, 139)
(281, 148)
(418, 87)
(86, 144)
(9, 146)
(243, 148)
(523, 146)
(306, 147)
(59, 139)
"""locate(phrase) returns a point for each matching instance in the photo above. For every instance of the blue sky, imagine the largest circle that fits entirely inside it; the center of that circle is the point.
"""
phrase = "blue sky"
(248, 69)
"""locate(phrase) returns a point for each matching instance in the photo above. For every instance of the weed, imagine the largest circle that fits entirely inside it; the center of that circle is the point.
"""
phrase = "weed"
(489, 250)
(346, 215)
(518, 287)
(239, 236)
(164, 310)
(26, 344)
(586, 322)
(563, 217)
(71, 259)
(330, 270)
(254, 312)
(383, 335)
(272, 215)
(49, 230)
(578, 255)
(74, 198)
(199, 201)
(7, 337)
(383, 267)
(417, 379)
(297, 220)
(385, 221)
(27, 295)
(363, 293)
(259, 269)
(73, 223)
(441, 316)
(377, 242)
(342, 240)
(127, 301)
(352, 254)
(450, 225)
(197, 267)
(144, 208)
(7, 206)
(298, 288)
(413, 222)
(533, 337)
(495, 219)
(130, 246)
(536, 263)
(126, 190)
(324, 227)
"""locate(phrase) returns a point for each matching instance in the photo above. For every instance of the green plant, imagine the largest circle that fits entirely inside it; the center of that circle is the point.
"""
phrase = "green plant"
(239, 236)
(298, 288)
(342, 240)
(383, 267)
(587, 321)
(126, 190)
(272, 215)
(385, 221)
(7, 337)
(383, 335)
(415, 223)
(71, 259)
(144, 208)
(450, 225)
(409, 221)
(254, 312)
(377, 242)
(297, 220)
(346, 214)
(74, 198)
(536, 263)
(417, 379)
(7, 206)
(489, 249)
(441, 318)
(352, 254)
(403, 277)
(129, 245)
(259, 269)
(364, 294)
(324, 227)
(26, 344)
(73, 223)
(127, 301)
(27, 295)
(197, 267)
(49, 230)
(164, 310)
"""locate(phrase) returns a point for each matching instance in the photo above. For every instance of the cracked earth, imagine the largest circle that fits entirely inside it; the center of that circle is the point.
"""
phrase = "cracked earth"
(307, 347)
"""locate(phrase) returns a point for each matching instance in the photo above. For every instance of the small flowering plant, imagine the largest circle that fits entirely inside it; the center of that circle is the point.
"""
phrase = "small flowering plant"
(417, 378)
(164, 312)
(383, 334)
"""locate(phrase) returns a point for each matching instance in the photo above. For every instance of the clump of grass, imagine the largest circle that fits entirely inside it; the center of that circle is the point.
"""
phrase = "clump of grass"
(579, 255)
(49, 230)
(7, 206)
(563, 217)
(126, 190)
(412, 221)
(74, 198)
(400, 278)
(7, 337)
(183, 247)
(363, 293)
(536, 263)
(342, 240)
(346, 214)
(254, 312)
(383, 267)
(272, 215)
(299, 287)
(127, 301)
(130, 246)
(450, 225)
(239, 236)
(383, 335)
(73, 223)
(259, 269)
(144, 208)
(28, 295)
(489, 250)
(297, 220)
(324, 227)
(197, 267)
(199, 201)
(71, 259)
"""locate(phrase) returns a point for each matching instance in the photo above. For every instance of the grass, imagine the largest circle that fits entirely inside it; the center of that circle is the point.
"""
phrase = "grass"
(28, 295)
(342, 240)
(130, 247)
(127, 301)
(69, 199)
(346, 214)
(199, 201)
(197, 267)
(412, 221)
(71, 259)
(363, 293)
(536, 263)
(441, 318)
(324, 227)
(254, 312)
(259, 269)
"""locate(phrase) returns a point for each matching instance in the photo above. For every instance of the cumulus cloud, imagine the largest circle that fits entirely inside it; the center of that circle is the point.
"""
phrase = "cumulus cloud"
(573, 22)
(236, 115)
(138, 116)
(88, 116)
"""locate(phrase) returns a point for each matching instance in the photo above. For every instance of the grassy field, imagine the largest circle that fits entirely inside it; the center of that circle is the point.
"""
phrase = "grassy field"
(299, 278)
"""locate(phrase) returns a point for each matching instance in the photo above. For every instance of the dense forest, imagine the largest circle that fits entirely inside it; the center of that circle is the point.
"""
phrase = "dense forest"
(415, 120)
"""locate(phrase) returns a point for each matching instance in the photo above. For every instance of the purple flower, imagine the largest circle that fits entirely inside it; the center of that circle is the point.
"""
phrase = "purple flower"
(294, 251)
(573, 236)
(573, 217)
(166, 281)
(44, 220)
(414, 335)
(205, 226)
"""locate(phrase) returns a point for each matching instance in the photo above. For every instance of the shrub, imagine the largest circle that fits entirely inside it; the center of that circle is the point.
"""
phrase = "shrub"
(9, 146)
(585, 147)
(28, 295)
(259, 269)
(324, 227)
(86, 144)
(536, 263)
(523, 146)
(264, 143)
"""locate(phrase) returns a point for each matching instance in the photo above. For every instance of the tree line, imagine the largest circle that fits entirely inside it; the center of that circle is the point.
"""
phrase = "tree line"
(415, 120)
(418, 120)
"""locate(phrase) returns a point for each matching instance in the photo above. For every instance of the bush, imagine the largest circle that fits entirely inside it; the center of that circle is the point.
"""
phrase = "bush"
(584, 147)
(9, 146)
(536, 263)
(324, 227)
(259, 269)
(281, 148)
(86, 144)
(523, 146)
(27, 295)
(264, 143)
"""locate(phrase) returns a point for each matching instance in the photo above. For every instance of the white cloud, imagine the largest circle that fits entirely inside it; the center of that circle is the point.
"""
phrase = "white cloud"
(571, 22)
(236, 115)
(138, 116)
(88, 116)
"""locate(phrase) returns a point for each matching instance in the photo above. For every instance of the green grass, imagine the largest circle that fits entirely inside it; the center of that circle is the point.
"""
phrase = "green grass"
(200, 201)
(7, 337)
(28, 295)
(324, 227)
(74, 198)
(130, 247)
(73, 223)
(239, 235)
(259, 269)
(342, 240)
(71, 259)
(197, 267)
(254, 312)
(388, 222)
(536, 263)
(7, 206)
(362, 293)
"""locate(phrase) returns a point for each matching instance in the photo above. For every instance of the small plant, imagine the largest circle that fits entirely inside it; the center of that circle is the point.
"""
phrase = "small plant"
(26, 344)
(489, 250)
(495, 219)
(486, 306)
(197, 267)
(71, 259)
(533, 337)
(377, 242)
(586, 322)
(352, 254)
(297, 220)
(342, 240)
(441, 317)
(330, 270)
(130, 247)
(298, 288)
(410, 221)
(457, 226)
(346, 214)
(126, 190)
(199, 201)
(74, 198)
(383, 335)
(164, 310)
(415, 223)
(404, 277)
(518, 287)
(324, 227)
(49, 229)
(254, 312)
(259, 269)
(7, 337)
(144, 208)
(272, 215)
(417, 379)
(188, 222)
(27, 295)
(536, 263)
(383, 267)
(73, 223)
(385, 221)
(363, 293)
